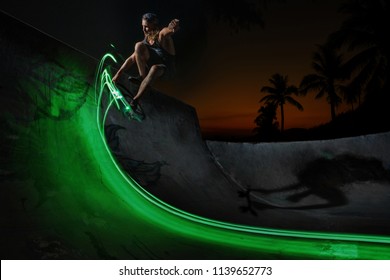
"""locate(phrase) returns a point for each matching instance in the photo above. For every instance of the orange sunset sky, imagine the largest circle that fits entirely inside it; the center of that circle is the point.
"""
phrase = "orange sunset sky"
(236, 65)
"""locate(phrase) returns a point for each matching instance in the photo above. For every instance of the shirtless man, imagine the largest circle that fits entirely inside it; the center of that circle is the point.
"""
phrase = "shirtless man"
(154, 55)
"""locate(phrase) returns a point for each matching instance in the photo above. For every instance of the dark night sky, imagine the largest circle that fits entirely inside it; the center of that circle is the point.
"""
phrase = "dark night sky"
(234, 66)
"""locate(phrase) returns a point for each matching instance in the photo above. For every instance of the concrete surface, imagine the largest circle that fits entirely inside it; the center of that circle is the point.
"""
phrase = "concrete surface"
(333, 185)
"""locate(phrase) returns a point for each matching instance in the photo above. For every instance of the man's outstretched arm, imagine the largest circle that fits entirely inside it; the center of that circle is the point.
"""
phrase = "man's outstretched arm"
(171, 29)
(165, 36)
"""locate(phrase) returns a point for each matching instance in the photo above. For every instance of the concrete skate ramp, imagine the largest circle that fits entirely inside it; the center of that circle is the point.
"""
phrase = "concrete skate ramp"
(338, 185)
(63, 196)
(166, 155)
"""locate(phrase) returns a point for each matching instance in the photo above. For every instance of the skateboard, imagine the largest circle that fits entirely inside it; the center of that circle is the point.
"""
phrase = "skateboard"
(137, 114)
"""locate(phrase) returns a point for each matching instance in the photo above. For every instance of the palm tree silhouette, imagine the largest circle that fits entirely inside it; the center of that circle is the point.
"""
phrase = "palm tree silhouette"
(280, 94)
(330, 73)
(267, 128)
(365, 32)
(351, 94)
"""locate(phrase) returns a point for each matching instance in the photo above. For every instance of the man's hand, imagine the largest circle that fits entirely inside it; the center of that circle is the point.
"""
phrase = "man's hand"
(115, 78)
(174, 25)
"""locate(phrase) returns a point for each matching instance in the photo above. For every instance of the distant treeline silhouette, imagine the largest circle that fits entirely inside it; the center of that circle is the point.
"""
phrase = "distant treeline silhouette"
(362, 80)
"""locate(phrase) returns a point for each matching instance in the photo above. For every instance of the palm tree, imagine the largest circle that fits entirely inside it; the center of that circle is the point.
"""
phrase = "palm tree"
(327, 81)
(280, 94)
(267, 128)
(365, 32)
(351, 95)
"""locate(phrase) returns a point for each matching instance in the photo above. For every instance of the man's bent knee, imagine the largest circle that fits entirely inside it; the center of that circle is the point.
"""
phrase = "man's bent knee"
(157, 69)
(140, 47)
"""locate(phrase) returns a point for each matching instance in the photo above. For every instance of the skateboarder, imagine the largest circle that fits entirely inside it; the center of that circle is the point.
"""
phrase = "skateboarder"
(154, 55)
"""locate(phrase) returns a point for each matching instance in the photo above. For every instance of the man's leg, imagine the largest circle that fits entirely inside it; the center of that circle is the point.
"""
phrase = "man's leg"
(126, 65)
(155, 72)
(141, 57)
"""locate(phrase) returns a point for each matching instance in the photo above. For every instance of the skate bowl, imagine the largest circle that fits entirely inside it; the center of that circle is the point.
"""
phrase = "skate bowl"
(75, 185)
(346, 180)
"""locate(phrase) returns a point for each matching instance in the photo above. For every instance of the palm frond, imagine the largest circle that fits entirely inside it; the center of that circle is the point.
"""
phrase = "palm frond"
(320, 94)
(311, 82)
(269, 99)
(359, 61)
(268, 89)
(291, 90)
(319, 68)
(295, 103)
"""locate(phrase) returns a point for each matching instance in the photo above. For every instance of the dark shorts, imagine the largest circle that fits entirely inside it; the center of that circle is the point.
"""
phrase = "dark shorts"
(159, 56)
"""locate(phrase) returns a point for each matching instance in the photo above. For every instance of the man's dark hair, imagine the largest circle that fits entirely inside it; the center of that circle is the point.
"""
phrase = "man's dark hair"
(150, 17)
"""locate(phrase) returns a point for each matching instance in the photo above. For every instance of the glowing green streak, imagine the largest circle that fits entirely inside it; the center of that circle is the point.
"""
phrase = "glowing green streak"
(293, 242)
(115, 94)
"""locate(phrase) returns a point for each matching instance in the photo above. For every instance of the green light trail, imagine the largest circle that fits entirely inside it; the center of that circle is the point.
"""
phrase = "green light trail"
(261, 241)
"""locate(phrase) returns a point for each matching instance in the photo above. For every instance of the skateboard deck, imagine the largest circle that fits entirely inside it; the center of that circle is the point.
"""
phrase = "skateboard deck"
(137, 114)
